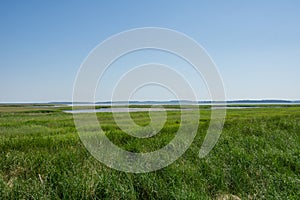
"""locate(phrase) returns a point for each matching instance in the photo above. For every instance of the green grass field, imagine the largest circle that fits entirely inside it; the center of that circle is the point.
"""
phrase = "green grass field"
(256, 157)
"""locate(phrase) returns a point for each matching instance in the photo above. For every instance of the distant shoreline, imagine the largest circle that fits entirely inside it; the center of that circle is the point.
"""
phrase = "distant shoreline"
(171, 102)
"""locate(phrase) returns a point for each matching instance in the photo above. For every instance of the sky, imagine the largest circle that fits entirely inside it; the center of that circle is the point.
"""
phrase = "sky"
(254, 44)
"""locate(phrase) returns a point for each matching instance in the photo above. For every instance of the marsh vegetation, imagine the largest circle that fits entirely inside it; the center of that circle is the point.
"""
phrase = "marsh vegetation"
(256, 157)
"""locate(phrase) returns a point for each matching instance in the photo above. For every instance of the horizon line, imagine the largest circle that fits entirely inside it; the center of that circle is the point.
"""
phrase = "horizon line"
(141, 101)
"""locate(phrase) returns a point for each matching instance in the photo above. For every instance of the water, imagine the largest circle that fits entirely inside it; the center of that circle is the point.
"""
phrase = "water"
(121, 110)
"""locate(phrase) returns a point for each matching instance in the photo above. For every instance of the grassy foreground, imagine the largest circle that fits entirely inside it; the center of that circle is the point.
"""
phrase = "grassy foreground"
(256, 157)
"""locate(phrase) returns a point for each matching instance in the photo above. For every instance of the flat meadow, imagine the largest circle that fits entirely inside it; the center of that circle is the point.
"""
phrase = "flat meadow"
(257, 157)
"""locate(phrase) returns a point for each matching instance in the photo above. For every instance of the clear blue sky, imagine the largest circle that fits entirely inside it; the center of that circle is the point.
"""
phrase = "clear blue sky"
(255, 44)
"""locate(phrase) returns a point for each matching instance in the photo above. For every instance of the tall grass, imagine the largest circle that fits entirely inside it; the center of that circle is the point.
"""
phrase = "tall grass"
(256, 157)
